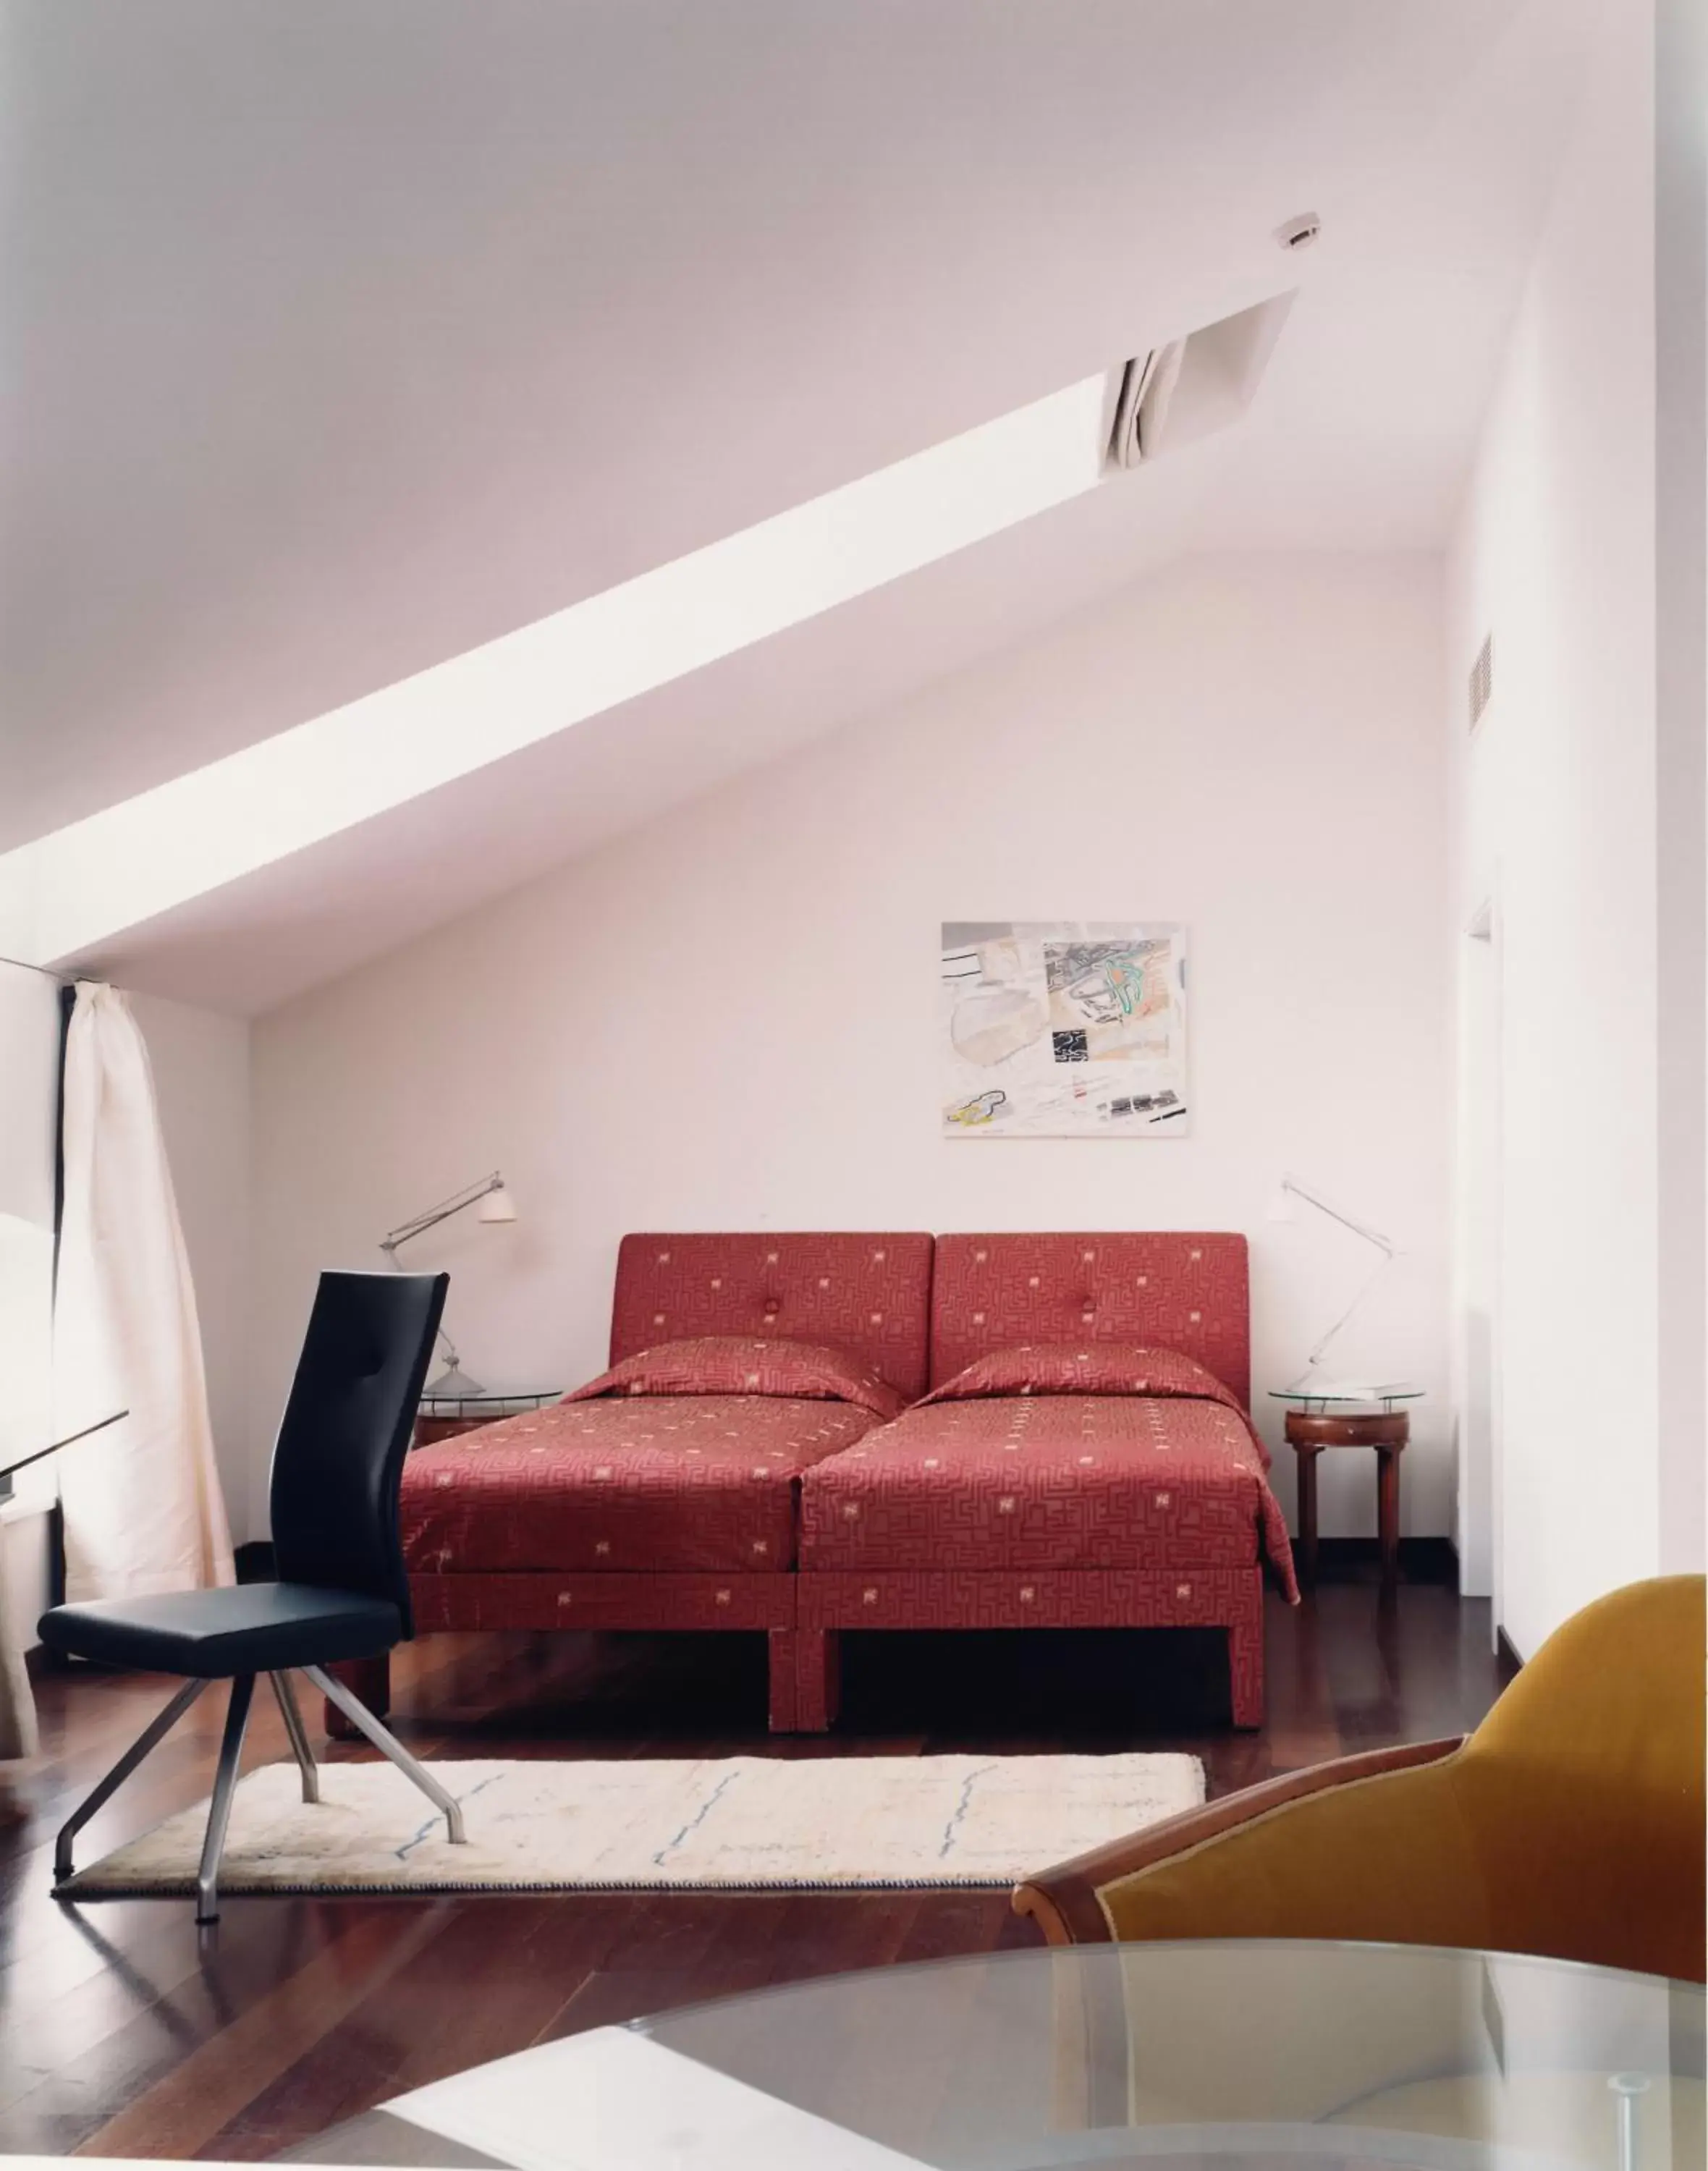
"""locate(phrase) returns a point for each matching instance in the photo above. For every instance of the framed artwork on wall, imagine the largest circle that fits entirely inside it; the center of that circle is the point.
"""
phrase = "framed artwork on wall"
(1054, 1029)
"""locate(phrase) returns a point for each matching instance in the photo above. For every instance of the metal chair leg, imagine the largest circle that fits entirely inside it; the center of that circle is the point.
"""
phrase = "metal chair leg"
(293, 1717)
(219, 1809)
(360, 1716)
(150, 1738)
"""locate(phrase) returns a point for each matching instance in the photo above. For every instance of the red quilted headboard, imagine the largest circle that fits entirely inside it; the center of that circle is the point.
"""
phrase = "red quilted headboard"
(869, 1295)
(1177, 1292)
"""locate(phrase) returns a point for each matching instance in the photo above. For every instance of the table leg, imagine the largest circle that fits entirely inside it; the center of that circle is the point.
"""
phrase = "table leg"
(1308, 1514)
(1387, 1513)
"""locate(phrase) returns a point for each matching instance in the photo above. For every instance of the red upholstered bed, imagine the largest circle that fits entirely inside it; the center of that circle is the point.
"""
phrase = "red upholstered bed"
(1095, 1469)
(742, 1466)
(655, 1501)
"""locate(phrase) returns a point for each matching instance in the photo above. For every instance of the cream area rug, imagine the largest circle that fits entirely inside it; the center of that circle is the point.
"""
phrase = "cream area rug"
(741, 1824)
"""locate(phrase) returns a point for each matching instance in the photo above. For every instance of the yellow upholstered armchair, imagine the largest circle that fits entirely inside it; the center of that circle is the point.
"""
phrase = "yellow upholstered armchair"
(1570, 1824)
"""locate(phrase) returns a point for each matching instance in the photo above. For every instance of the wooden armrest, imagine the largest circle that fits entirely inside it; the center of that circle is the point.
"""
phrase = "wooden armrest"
(1064, 1900)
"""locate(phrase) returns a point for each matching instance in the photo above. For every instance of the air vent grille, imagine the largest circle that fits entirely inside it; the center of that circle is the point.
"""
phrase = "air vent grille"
(1482, 683)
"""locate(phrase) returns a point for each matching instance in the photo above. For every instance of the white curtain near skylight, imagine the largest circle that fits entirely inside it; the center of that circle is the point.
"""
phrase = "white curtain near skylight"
(143, 1510)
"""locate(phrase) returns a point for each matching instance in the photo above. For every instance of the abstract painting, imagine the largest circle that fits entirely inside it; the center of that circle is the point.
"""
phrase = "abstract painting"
(1063, 1029)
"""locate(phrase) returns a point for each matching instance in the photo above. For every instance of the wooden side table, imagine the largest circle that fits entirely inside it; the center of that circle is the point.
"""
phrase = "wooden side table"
(1308, 1433)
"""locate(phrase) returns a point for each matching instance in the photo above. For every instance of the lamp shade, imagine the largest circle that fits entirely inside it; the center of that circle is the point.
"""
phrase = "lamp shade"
(497, 1205)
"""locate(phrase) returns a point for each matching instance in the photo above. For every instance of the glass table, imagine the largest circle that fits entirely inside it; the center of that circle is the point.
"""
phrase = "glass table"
(1332, 1402)
(443, 1416)
(1246, 2056)
(489, 1402)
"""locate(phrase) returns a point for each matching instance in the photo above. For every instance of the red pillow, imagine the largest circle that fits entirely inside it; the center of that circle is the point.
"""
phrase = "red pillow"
(743, 1364)
(1084, 1368)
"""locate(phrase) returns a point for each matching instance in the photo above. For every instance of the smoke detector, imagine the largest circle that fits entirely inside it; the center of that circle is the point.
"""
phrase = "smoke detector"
(1299, 233)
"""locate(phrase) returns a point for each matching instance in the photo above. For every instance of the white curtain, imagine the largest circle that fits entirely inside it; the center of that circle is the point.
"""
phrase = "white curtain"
(17, 1736)
(143, 1512)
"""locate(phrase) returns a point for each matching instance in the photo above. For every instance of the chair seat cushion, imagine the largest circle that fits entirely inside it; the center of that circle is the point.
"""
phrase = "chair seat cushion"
(254, 1628)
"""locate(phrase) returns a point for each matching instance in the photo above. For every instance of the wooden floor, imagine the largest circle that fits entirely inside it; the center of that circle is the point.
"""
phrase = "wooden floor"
(124, 2033)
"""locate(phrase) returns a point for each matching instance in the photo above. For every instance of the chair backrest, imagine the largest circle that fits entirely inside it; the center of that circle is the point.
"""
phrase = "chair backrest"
(1618, 1689)
(1570, 1826)
(338, 1460)
(1584, 1787)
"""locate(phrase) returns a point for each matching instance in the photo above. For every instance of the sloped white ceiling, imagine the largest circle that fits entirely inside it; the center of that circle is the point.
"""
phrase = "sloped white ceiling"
(345, 334)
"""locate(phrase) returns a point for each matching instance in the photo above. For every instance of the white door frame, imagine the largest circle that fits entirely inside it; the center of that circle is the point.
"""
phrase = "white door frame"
(1480, 1257)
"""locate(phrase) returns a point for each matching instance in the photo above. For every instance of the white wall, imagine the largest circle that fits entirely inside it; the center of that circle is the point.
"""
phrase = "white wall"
(727, 1019)
(1681, 744)
(1556, 823)
(201, 1063)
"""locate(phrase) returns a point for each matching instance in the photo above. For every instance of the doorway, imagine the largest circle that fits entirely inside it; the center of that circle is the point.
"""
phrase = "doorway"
(1479, 1221)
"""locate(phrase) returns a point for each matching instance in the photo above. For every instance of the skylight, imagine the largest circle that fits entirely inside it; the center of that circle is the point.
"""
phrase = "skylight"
(66, 893)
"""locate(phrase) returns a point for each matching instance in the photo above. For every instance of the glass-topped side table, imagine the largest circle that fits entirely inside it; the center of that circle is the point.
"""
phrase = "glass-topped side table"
(443, 1416)
(1333, 1400)
(1248, 2056)
(1378, 1419)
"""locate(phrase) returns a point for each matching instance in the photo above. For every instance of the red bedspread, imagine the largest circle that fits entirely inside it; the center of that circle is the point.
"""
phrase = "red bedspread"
(690, 1481)
(1044, 1480)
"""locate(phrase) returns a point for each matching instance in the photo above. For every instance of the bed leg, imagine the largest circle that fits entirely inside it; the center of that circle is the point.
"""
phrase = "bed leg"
(805, 1679)
(1245, 1666)
(780, 1644)
(370, 1679)
(820, 1678)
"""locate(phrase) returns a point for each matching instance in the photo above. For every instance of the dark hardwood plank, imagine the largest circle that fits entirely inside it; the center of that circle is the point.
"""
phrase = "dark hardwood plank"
(320, 2003)
(124, 2031)
(489, 1983)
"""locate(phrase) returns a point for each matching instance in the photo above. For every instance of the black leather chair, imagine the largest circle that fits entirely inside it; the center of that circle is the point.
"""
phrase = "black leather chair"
(342, 1591)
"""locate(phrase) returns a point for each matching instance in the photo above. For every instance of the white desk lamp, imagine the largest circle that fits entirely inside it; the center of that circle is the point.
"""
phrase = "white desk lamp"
(1310, 1382)
(495, 1204)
